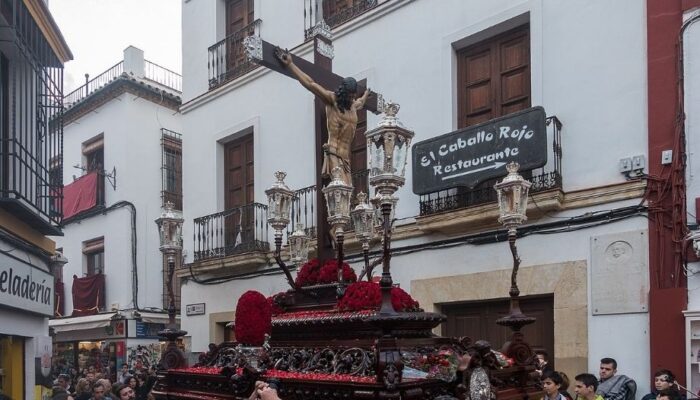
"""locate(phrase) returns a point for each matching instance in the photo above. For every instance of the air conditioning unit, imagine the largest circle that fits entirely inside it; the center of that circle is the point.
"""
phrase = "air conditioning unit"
(114, 307)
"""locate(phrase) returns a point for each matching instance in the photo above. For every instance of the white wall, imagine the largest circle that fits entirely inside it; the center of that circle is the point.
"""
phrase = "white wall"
(131, 127)
(593, 80)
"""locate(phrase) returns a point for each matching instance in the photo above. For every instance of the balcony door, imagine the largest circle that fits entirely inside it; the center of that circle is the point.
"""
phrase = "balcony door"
(239, 192)
(239, 14)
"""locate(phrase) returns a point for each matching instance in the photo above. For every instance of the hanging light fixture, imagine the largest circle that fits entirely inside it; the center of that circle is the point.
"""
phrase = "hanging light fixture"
(279, 205)
(512, 198)
(299, 243)
(338, 196)
(364, 220)
(387, 146)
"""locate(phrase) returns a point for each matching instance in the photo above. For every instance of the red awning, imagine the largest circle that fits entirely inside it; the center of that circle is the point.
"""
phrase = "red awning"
(80, 195)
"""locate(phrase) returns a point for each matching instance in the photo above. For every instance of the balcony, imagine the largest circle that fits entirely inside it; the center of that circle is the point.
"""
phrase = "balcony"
(235, 231)
(228, 59)
(335, 12)
(151, 72)
(304, 206)
(548, 177)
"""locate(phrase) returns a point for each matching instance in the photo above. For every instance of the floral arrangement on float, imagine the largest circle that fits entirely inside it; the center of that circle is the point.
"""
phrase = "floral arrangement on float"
(313, 273)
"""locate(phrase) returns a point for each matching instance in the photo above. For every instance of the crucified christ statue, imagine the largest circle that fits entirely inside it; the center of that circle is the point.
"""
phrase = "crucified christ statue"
(341, 116)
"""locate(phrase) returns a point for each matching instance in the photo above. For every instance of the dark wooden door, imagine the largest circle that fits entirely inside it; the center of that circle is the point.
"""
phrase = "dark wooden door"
(494, 77)
(239, 15)
(239, 191)
(478, 321)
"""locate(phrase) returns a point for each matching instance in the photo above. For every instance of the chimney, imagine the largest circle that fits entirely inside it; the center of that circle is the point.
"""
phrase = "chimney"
(133, 61)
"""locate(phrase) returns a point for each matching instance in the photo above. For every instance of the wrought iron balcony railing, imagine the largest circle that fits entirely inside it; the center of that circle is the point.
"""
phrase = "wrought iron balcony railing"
(228, 59)
(152, 72)
(334, 12)
(234, 231)
(31, 143)
(545, 178)
(304, 206)
(93, 84)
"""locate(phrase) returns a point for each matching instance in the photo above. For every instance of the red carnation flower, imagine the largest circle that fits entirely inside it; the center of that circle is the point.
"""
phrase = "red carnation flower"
(308, 273)
(368, 295)
(402, 301)
(329, 272)
(361, 296)
(253, 318)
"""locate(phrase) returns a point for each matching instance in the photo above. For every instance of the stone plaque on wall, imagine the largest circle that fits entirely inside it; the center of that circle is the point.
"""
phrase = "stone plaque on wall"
(620, 273)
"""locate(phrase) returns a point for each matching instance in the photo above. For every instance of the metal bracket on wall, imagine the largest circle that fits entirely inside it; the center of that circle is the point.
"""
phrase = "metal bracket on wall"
(111, 177)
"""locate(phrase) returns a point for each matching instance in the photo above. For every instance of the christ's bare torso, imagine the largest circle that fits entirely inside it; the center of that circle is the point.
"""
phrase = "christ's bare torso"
(341, 132)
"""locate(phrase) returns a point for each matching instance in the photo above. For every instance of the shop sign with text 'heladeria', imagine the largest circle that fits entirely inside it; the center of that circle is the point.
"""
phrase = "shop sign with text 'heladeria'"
(25, 287)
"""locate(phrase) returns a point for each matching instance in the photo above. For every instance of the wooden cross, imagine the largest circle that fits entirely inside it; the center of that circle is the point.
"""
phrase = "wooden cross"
(320, 71)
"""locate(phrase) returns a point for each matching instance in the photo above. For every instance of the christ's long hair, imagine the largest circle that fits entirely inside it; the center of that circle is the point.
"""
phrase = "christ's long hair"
(342, 95)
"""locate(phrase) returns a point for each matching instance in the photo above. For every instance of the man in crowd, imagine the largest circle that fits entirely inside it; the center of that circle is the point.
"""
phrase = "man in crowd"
(123, 373)
(612, 386)
(664, 379)
(542, 362)
(668, 394)
(586, 386)
(98, 392)
(551, 384)
(124, 392)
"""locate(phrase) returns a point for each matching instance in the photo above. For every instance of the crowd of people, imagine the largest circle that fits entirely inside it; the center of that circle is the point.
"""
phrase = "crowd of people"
(90, 384)
(609, 385)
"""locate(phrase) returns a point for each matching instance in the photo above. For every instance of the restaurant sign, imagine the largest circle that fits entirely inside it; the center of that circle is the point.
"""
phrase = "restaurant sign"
(474, 154)
(25, 287)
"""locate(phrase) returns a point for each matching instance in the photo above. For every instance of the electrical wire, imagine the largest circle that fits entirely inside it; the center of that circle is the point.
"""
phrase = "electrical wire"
(134, 240)
(570, 224)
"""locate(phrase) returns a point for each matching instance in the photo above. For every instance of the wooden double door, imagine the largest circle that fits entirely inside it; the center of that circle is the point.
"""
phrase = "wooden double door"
(478, 321)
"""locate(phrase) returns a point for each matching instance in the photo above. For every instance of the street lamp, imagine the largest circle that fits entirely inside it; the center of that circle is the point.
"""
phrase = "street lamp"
(279, 204)
(512, 203)
(170, 229)
(387, 146)
(364, 220)
(338, 196)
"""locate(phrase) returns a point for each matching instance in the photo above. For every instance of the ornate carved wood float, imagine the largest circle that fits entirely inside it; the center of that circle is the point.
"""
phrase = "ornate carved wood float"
(319, 352)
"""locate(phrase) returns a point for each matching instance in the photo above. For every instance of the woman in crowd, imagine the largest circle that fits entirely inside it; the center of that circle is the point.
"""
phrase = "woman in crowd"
(82, 390)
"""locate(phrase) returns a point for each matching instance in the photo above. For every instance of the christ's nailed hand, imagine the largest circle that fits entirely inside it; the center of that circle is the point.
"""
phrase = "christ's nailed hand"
(283, 55)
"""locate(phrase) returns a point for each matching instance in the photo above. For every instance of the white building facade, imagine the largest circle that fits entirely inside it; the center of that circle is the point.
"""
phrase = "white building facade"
(585, 257)
(121, 154)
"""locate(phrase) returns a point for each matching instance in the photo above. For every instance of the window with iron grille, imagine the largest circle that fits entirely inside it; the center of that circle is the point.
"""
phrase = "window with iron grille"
(94, 255)
(171, 190)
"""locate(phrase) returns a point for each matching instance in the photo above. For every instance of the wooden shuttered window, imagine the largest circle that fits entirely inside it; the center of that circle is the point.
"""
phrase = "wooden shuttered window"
(494, 77)
(239, 187)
